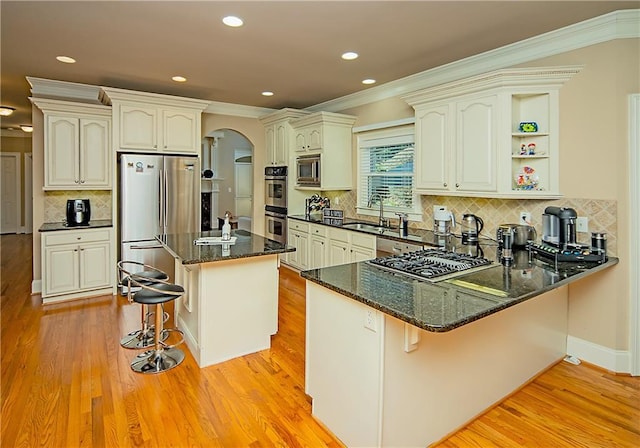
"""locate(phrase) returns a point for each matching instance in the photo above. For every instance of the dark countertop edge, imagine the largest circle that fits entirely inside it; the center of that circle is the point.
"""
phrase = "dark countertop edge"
(236, 257)
(507, 303)
(58, 226)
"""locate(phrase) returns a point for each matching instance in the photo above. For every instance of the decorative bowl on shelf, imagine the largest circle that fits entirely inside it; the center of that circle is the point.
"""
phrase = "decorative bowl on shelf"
(528, 126)
(526, 179)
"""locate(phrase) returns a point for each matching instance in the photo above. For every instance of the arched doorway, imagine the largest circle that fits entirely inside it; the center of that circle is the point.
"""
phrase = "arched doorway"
(227, 185)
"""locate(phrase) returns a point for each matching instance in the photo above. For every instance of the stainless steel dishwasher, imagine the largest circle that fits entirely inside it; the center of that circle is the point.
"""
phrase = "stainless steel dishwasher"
(386, 247)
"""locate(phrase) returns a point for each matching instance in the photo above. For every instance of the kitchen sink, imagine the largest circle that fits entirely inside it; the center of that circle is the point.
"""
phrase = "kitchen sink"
(365, 226)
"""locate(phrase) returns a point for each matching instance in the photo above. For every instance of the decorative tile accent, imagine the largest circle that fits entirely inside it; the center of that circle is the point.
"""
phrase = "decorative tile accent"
(55, 204)
(602, 214)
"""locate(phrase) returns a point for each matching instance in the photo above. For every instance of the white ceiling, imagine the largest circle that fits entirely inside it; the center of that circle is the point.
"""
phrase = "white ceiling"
(292, 48)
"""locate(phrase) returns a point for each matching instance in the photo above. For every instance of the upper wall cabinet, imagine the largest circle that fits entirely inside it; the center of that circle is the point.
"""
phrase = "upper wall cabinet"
(150, 122)
(329, 135)
(77, 148)
(279, 135)
(493, 135)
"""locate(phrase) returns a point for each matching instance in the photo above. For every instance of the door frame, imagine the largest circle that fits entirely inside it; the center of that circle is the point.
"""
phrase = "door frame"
(28, 193)
(16, 156)
(634, 229)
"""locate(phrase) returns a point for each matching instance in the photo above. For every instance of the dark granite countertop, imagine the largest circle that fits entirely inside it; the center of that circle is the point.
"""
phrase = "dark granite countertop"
(247, 244)
(445, 305)
(55, 226)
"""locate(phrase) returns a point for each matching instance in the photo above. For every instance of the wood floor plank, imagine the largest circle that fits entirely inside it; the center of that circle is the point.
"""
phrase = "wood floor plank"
(66, 382)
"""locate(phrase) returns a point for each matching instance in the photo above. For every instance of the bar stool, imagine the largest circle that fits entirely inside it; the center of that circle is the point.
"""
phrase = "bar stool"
(144, 336)
(163, 356)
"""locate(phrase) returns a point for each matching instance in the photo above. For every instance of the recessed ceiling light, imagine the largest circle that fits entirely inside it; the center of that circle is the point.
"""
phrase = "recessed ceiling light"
(179, 78)
(349, 56)
(232, 21)
(66, 59)
(368, 81)
(26, 127)
(267, 93)
(5, 111)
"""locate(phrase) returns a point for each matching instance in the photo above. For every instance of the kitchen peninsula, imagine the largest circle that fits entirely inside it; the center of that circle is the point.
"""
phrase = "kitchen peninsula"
(230, 307)
(396, 361)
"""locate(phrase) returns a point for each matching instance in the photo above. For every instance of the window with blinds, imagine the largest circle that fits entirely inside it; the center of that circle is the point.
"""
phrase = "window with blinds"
(386, 170)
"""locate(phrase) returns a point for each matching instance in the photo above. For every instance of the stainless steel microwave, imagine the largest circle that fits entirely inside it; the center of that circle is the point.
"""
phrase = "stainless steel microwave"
(308, 170)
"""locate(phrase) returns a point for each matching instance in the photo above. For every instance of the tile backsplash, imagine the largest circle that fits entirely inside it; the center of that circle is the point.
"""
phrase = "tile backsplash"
(55, 204)
(602, 214)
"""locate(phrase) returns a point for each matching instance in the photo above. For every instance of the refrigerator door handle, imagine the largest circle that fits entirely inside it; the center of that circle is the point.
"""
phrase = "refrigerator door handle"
(166, 200)
(161, 197)
(157, 246)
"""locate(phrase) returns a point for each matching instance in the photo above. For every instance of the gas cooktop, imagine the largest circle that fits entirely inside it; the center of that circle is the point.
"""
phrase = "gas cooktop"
(431, 264)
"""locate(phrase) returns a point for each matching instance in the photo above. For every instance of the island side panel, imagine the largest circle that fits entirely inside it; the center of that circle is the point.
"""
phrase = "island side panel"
(187, 308)
(453, 377)
(236, 310)
(343, 365)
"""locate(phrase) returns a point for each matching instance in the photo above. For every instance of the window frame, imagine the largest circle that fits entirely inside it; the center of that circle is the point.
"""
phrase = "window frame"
(414, 212)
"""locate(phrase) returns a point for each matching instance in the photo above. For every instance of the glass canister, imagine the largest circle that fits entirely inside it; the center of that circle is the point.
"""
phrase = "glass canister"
(599, 243)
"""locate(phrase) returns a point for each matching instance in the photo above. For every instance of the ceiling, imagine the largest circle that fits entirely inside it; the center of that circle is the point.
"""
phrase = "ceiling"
(291, 48)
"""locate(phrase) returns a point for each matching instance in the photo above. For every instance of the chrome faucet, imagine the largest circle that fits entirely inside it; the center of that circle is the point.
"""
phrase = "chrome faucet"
(381, 221)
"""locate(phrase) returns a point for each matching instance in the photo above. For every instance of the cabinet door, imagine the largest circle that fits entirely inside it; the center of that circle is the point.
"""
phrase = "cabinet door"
(433, 143)
(270, 144)
(338, 252)
(299, 258)
(61, 273)
(179, 129)
(300, 139)
(281, 145)
(138, 127)
(313, 137)
(62, 152)
(95, 265)
(317, 252)
(359, 253)
(95, 154)
(476, 144)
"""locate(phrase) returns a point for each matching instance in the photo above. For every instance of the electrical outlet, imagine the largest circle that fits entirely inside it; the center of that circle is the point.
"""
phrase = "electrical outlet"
(525, 218)
(370, 320)
(582, 224)
(438, 207)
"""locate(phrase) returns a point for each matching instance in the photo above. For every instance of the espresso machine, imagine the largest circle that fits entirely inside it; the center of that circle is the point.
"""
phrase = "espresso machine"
(78, 212)
(559, 243)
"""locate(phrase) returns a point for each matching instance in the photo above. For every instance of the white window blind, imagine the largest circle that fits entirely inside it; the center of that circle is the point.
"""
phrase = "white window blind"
(386, 169)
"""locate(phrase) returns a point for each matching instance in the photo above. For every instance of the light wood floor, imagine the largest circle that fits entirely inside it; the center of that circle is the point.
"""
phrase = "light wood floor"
(66, 382)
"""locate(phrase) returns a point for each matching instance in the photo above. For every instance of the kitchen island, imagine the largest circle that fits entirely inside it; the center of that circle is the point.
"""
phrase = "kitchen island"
(230, 305)
(396, 361)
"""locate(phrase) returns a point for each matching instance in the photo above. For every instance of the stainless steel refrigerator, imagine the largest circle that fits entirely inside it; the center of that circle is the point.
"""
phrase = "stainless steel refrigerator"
(158, 195)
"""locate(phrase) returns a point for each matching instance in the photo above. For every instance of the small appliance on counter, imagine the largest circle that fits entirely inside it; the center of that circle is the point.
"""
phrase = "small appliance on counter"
(78, 212)
(471, 225)
(522, 234)
(559, 239)
(443, 221)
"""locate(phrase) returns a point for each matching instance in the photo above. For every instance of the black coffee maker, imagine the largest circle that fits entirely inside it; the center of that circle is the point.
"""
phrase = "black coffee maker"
(559, 226)
(78, 212)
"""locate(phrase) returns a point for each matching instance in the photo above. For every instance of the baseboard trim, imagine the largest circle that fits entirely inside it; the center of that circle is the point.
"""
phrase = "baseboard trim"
(36, 286)
(618, 361)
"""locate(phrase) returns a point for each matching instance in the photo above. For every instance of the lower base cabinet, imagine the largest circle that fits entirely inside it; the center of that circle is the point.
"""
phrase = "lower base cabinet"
(76, 263)
(319, 246)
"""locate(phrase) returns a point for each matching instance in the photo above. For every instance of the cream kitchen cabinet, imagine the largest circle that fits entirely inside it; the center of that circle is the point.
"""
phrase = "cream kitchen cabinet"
(347, 246)
(469, 141)
(279, 135)
(458, 146)
(77, 148)
(298, 237)
(329, 135)
(317, 246)
(76, 263)
(155, 123)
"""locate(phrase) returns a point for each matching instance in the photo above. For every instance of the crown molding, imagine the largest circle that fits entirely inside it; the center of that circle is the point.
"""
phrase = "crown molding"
(115, 94)
(55, 105)
(51, 88)
(237, 110)
(623, 24)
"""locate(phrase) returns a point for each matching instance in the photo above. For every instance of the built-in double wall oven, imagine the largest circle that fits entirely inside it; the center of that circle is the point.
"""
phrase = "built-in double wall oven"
(275, 200)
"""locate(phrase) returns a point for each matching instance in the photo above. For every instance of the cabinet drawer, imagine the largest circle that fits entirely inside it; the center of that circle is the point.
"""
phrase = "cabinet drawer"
(339, 234)
(318, 230)
(359, 239)
(298, 225)
(70, 237)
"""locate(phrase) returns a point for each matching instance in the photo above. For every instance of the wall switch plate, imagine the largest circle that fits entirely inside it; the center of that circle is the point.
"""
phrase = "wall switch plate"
(525, 218)
(582, 224)
(370, 320)
(438, 207)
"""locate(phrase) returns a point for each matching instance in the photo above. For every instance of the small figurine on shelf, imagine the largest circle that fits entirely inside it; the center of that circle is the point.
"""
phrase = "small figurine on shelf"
(523, 150)
(531, 149)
